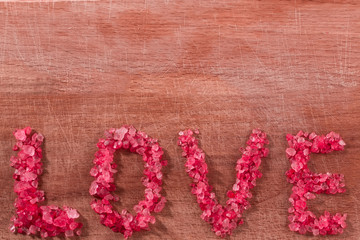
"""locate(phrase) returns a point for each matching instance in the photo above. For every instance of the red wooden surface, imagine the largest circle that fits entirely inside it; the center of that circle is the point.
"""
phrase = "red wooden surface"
(71, 69)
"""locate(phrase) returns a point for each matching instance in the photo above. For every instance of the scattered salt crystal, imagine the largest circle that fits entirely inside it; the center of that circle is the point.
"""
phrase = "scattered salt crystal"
(12, 229)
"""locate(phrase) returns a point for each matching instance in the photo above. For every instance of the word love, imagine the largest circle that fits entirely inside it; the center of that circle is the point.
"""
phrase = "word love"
(48, 221)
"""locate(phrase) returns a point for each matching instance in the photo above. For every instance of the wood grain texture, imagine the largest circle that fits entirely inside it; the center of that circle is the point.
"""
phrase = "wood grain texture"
(72, 69)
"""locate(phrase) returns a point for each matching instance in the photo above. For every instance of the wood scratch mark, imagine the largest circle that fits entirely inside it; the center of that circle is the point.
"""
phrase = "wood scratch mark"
(258, 59)
(4, 42)
(17, 46)
(356, 208)
(51, 110)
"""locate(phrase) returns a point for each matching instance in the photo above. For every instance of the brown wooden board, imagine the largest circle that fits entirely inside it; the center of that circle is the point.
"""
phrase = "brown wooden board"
(71, 69)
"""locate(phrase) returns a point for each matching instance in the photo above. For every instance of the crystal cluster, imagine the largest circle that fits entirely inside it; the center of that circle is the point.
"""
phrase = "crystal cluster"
(128, 138)
(30, 218)
(224, 219)
(307, 183)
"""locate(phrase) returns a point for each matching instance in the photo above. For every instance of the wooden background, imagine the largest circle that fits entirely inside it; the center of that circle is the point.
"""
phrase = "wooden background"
(71, 69)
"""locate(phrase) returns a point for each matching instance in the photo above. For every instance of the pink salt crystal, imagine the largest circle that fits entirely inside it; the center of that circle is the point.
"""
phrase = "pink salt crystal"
(342, 143)
(72, 213)
(160, 205)
(152, 220)
(302, 229)
(302, 218)
(120, 133)
(323, 223)
(27, 130)
(132, 131)
(343, 221)
(74, 225)
(44, 234)
(137, 208)
(142, 224)
(126, 145)
(93, 188)
(14, 160)
(12, 229)
(294, 227)
(226, 223)
(159, 175)
(34, 200)
(28, 176)
(20, 186)
(296, 166)
(30, 150)
(301, 140)
(291, 151)
(60, 222)
(309, 195)
(32, 229)
(106, 176)
(306, 152)
(149, 194)
(47, 218)
(40, 137)
(20, 135)
(155, 147)
(69, 233)
(312, 136)
(94, 171)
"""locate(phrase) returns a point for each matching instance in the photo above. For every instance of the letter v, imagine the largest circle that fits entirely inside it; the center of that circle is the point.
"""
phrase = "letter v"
(224, 219)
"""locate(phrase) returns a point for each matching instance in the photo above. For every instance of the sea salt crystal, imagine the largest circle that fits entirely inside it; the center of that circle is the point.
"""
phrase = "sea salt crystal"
(72, 213)
(29, 150)
(291, 151)
(20, 135)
